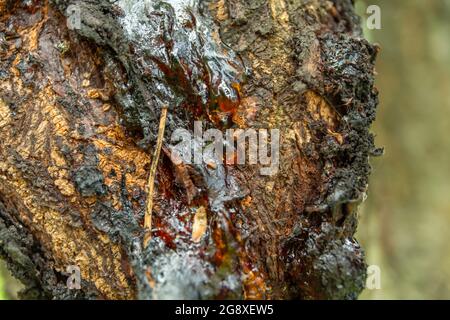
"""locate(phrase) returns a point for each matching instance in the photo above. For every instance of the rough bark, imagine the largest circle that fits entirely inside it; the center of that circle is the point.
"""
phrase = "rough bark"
(78, 121)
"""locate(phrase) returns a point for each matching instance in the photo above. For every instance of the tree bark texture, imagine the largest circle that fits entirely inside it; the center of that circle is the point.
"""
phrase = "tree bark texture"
(79, 115)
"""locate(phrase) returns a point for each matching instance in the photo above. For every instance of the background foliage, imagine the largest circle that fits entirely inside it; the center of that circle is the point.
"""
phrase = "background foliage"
(405, 223)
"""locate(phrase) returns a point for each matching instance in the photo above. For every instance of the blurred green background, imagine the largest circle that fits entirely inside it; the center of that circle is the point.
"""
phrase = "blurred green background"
(8, 285)
(405, 223)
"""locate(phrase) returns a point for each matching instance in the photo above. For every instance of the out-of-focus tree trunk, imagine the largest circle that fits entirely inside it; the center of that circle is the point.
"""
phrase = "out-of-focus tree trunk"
(75, 151)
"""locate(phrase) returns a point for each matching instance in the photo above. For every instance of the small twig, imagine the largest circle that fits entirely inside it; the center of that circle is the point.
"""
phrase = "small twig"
(151, 178)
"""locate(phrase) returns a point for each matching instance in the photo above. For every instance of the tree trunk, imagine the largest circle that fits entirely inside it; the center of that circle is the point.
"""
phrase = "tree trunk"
(82, 86)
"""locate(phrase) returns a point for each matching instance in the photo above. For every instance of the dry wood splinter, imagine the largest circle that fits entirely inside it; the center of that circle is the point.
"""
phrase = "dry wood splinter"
(151, 178)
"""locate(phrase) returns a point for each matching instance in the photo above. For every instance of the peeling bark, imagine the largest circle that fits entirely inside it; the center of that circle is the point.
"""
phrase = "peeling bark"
(78, 121)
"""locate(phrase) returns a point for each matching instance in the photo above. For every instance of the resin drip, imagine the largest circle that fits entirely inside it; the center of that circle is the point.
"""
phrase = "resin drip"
(169, 53)
(177, 49)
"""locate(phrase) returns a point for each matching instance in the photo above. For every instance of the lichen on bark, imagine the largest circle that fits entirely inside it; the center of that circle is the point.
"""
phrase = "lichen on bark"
(80, 113)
